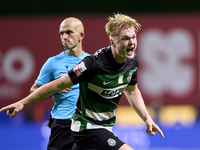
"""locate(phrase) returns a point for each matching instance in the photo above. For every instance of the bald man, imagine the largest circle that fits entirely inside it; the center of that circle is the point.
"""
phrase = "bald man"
(71, 34)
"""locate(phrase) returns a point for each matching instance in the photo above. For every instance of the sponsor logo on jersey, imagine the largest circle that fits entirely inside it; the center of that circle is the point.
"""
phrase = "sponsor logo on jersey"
(78, 69)
(112, 93)
(105, 83)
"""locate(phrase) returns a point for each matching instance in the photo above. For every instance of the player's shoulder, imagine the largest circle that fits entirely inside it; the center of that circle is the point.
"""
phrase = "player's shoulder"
(96, 57)
(55, 58)
(92, 61)
(136, 58)
(101, 52)
(85, 53)
(59, 56)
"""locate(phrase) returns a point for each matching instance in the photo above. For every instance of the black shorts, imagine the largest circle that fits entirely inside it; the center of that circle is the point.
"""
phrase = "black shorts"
(61, 135)
(96, 139)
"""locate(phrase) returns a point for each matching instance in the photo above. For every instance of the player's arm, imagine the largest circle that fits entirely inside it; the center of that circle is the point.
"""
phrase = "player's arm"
(137, 103)
(40, 94)
(34, 87)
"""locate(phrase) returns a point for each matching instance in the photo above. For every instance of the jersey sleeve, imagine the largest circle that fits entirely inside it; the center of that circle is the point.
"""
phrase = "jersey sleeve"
(45, 75)
(133, 79)
(84, 71)
(134, 76)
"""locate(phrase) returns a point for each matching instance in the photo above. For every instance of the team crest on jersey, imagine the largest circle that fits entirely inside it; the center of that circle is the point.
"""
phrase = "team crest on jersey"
(111, 142)
(78, 69)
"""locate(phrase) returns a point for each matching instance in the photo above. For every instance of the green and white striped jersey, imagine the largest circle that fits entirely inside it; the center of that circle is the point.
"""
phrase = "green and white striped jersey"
(102, 82)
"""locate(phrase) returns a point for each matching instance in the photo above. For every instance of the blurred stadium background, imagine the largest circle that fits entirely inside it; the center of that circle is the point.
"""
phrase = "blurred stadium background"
(168, 77)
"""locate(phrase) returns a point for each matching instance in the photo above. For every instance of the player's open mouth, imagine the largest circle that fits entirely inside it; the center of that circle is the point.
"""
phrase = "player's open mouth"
(129, 50)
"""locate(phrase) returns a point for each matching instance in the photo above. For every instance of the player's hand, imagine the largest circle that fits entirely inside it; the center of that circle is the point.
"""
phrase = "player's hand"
(152, 129)
(13, 109)
(67, 90)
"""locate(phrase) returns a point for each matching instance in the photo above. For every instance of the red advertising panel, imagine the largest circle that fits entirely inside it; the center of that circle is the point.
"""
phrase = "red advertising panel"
(168, 50)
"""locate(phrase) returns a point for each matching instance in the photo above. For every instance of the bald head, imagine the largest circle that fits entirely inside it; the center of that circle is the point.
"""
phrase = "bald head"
(74, 22)
(71, 34)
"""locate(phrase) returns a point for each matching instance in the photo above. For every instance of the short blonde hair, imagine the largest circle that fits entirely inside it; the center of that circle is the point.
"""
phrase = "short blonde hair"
(118, 22)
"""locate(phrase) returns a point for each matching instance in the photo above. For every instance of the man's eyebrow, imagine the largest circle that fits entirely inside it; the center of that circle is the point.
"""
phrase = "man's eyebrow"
(125, 36)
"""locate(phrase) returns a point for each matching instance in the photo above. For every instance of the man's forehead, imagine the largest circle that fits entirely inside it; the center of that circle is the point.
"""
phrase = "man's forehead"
(128, 31)
(65, 27)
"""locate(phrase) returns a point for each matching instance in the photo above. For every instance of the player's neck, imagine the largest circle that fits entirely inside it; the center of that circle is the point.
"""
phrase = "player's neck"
(74, 52)
(119, 59)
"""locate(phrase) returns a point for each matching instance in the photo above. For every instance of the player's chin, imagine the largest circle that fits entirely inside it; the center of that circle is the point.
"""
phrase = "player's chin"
(130, 56)
(66, 48)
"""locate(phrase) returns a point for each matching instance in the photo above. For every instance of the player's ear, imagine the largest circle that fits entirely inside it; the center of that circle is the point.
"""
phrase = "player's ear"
(112, 43)
(82, 35)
